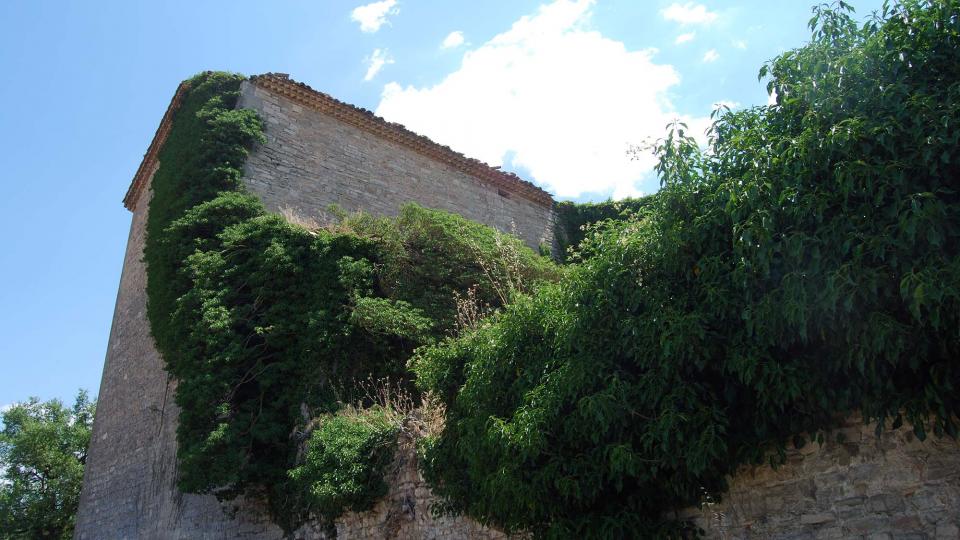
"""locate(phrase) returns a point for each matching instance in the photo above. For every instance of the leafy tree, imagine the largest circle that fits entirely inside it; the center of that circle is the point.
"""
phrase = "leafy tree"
(806, 266)
(43, 447)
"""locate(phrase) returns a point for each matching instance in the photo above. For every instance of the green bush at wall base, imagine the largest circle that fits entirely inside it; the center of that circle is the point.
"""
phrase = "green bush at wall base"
(345, 462)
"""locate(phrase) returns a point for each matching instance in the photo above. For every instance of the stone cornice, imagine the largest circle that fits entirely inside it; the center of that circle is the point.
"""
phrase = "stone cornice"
(149, 164)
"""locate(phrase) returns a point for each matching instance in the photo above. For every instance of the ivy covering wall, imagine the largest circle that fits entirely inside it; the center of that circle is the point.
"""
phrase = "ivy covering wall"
(573, 221)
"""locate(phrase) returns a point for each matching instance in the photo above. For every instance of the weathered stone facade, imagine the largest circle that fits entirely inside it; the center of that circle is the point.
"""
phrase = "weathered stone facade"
(129, 486)
(856, 485)
(312, 160)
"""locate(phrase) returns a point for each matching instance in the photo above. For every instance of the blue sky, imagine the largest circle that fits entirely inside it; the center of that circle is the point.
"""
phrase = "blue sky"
(553, 90)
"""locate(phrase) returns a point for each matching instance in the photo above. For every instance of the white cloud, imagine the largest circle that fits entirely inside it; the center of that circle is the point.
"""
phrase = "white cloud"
(740, 44)
(688, 13)
(772, 97)
(711, 56)
(684, 38)
(552, 97)
(726, 103)
(453, 39)
(372, 16)
(376, 61)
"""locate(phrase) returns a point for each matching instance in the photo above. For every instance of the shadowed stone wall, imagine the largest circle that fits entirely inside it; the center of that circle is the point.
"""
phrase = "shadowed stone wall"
(129, 484)
(889, 488)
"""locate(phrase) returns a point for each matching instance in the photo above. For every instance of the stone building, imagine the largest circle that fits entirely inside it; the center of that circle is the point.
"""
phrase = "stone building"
(321, 151)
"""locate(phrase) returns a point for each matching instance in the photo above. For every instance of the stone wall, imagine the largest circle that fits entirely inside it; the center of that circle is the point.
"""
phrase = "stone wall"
(860, 486)
(312, 160)
(129, 486)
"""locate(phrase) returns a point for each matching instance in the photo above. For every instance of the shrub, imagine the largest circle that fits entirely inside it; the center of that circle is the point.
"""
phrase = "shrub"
(345, 461)
(430, 256)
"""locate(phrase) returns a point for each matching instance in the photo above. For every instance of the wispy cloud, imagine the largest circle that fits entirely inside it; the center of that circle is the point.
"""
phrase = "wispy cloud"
(684, 38)
(739, 44)
(726, 103)
(711, 56)
(689, 13)
(453, 39)
(374, 15)
(375, 62)
(553, 97)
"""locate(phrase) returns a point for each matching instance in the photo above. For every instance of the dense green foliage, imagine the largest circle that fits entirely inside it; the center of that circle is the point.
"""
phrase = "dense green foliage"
(43, 447)
(344, 465)
(202, 156)
(573, 221)
(805, 266)
(427, 257)
(267, 324)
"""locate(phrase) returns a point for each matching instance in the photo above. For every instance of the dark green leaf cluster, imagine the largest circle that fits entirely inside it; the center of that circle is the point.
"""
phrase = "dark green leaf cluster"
(43, 448)
(202, 156)
(429, 256)
(807, 265)
(573, 221)
(345, 461)
(267, 325)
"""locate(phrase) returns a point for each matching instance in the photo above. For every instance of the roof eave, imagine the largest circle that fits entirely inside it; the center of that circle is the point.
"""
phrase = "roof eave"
(149, 163)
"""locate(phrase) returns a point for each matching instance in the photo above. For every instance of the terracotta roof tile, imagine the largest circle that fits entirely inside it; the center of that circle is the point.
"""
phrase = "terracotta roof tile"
(149, 163)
